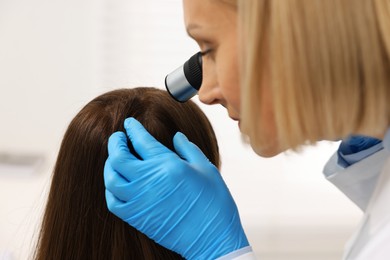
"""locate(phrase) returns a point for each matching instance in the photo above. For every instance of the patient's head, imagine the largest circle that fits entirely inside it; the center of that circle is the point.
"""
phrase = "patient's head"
(77, 223)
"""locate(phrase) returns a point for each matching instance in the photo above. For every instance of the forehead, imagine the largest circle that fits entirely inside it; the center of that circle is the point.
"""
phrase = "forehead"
(205, 12)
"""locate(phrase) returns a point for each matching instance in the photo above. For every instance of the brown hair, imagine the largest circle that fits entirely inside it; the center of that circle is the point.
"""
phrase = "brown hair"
(76, 222)
(329, 68)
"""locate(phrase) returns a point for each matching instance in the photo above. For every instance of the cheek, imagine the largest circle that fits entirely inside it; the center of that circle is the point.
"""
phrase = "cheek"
(267, 121)
(267, 118)
(229, 83)
(267, 106)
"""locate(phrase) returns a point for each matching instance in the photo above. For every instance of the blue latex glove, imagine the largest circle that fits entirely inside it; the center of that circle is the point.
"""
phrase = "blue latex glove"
(181, 202)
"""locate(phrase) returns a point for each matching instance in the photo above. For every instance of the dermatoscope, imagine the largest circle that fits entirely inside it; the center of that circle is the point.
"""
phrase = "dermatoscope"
(184, 82)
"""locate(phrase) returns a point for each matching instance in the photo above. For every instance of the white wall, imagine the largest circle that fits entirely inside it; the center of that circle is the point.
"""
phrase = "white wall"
(57, 55)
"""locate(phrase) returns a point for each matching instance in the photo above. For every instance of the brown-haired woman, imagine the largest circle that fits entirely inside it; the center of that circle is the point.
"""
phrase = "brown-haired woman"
(77, 223)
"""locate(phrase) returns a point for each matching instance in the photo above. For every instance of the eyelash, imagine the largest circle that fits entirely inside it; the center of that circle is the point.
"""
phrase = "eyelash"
(204, 53)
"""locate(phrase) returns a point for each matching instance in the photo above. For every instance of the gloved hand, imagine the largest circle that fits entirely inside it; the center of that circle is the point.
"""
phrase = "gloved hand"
(181, 202)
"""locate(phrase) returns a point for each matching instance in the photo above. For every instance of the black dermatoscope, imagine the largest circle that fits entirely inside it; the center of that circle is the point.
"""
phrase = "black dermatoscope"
(184, 82)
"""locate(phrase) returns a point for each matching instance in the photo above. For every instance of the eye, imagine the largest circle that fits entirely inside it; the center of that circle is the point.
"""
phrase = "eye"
(208, 53)
(204, 53)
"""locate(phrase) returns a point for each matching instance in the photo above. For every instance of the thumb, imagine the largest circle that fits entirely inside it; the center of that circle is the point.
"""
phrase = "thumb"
(188, 150)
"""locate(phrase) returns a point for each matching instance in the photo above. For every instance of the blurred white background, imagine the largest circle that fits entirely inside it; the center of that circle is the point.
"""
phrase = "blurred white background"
(55, 56)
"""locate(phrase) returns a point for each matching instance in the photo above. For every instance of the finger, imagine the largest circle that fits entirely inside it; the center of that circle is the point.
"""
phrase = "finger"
(127, 210)
(115, 205)
(117, 146)
(188, 150)
(121, 160)
(117, 183)
(144, 143)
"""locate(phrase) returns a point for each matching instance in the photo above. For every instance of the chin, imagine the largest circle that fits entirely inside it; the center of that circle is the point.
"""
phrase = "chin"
(267, 152)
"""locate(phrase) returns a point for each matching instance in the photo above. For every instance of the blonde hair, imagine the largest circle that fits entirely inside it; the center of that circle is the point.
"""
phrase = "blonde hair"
(328, 64)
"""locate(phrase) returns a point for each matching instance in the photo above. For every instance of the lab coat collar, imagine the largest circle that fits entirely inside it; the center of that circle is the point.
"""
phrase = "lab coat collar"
(386, 140)
(358, 181)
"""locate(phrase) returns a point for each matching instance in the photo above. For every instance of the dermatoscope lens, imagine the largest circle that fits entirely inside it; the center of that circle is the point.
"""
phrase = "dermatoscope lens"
(184, 82)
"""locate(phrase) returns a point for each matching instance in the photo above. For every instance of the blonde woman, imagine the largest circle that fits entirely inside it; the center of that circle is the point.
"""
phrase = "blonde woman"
(292, 72)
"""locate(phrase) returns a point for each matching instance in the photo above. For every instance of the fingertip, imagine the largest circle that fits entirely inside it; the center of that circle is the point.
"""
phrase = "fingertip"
(111, 201)
(129, 121)
(133, 127)
(114, 139)
(108, 174)
(116, 135)
(180, 137)
(109, 197)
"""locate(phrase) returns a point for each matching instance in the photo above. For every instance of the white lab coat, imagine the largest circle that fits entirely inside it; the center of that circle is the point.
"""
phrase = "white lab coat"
(367, 184)
(372, 240)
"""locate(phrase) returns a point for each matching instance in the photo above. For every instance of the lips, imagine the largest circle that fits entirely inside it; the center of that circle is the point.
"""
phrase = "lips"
(233, 117)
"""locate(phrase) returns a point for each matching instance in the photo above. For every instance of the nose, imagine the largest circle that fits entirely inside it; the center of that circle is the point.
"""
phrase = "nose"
(209, 92)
